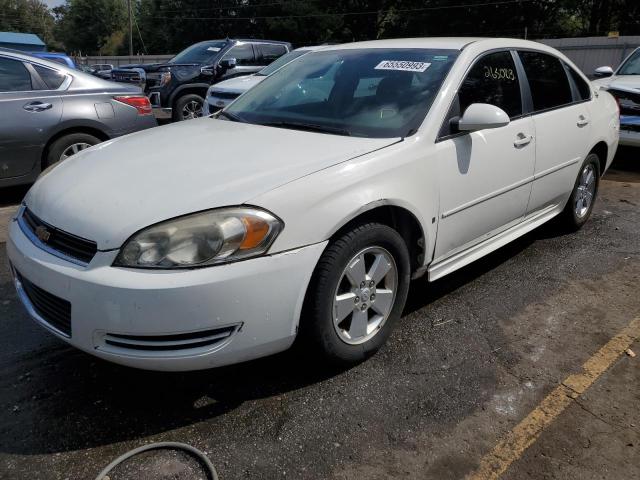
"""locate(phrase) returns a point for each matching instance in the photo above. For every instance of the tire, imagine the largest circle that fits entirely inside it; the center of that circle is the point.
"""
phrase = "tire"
(577, 212)
(182, 104)
(337, 341)
(68, 145)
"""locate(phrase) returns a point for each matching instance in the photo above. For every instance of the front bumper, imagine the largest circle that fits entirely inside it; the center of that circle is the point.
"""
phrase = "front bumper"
(159, 112)
(630, 130)
(256, 302)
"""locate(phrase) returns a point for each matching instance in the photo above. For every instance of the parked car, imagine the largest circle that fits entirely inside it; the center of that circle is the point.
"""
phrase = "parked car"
(61, 58)
(624, 85)
(50, 112)
(305, 207)
(102, 70)
(177, 89)
(223, 93)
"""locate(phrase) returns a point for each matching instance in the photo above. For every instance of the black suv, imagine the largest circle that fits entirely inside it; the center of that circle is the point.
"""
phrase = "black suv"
(177, 89)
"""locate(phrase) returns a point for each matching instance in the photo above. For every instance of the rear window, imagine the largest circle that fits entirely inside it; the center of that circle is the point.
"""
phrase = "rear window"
(584, 91)
(547, 80)
(52, 78)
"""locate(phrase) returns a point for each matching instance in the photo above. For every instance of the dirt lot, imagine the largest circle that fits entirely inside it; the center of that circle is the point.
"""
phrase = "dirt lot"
(474, 354)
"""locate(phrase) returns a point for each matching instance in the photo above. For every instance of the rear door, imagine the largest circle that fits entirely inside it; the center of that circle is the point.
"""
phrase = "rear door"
(30, 110)
(562, 123)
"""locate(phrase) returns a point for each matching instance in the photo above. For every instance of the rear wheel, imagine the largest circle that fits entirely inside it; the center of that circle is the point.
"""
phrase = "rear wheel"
(580, 204)
(188, 107)
(357, 294)
(68, 145)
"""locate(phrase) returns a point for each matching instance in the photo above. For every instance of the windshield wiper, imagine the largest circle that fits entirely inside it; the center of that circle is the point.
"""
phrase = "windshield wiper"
(229, 116)
(309, 127)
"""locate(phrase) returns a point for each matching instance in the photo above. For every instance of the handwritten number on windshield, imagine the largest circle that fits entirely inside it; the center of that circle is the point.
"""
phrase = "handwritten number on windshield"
(499, 73)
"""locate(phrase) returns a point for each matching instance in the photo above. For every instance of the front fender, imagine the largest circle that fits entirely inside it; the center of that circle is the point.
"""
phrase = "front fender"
(316, 206)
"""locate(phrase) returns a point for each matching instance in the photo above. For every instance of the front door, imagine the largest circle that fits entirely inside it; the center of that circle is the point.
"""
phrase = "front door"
(485, 176)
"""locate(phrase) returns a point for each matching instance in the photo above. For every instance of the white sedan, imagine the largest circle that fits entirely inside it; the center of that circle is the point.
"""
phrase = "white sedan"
(624, 85)
(304, 208)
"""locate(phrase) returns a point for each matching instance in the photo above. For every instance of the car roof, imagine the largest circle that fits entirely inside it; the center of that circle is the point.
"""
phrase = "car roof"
(33, 58)
(447, 43)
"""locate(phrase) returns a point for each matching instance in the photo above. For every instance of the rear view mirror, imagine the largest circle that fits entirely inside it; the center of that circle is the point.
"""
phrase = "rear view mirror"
(603, 72)
(482, 116)
(228, 63)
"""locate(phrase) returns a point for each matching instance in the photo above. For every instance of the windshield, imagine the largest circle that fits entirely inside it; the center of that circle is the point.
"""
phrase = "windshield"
(281, 62)
(202, 52)
(632, 65)
(380, 93)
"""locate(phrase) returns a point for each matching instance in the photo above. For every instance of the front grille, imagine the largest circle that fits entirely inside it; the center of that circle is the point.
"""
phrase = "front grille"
(126, 77)
(53, 310)
(171, 343)
(225, 95)
(59, 240)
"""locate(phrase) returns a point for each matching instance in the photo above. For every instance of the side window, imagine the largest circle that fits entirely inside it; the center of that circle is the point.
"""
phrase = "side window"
(52, 78)
(14, 76)
(547, 80)
(584, 91)
(270, 52)
(243, 53)
(492, 79)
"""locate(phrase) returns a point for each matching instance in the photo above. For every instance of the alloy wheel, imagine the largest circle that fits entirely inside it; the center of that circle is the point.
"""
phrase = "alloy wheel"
(586, 191)
(365, 295)
(192, 109)
(73, 149)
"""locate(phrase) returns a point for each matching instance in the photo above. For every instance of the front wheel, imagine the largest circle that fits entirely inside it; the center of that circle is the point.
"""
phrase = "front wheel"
(188, 107)
(583, 196)
(357, 294)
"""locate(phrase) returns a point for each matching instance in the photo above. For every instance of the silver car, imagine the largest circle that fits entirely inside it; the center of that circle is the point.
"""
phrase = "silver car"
(49, 112)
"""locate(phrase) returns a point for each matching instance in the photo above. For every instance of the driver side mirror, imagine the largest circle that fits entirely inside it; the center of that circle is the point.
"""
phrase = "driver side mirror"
(209, 71)
(228, 63)
(602, 72)
(481, 116)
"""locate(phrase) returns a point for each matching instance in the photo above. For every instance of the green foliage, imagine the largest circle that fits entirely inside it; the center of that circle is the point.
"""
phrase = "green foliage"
(166, 26)
(28, 16)
(92, 26)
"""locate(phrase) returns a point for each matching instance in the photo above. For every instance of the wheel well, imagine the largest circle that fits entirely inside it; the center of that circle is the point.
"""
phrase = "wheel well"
(202, 92)
(401, 220)
(602, 151)
(88, 130)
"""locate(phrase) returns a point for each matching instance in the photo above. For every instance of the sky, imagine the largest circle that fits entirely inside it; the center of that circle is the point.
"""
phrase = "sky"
(53, 3)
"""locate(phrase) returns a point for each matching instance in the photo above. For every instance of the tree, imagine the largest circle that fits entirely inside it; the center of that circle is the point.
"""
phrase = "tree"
(28, 16)
(92, 26)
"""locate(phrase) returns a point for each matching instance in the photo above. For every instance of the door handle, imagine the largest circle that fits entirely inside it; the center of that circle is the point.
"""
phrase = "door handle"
(582, 121)
(37, 107)
(522, 140)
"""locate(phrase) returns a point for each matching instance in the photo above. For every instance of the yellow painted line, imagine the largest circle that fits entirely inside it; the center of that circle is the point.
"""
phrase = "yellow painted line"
(525, 434)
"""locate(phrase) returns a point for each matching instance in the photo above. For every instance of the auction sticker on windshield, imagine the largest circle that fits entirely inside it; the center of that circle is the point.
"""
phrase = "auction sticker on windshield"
(403, 65)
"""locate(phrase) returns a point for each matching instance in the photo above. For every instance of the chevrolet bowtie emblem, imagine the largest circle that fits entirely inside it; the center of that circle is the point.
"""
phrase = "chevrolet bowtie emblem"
(42, 233)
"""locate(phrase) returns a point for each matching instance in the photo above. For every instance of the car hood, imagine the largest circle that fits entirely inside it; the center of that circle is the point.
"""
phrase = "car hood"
(621, 82)
(237, 85)
(110, 191)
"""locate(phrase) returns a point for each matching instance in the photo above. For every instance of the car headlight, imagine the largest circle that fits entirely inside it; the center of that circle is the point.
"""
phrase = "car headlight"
(165, 78)
(201, 239)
